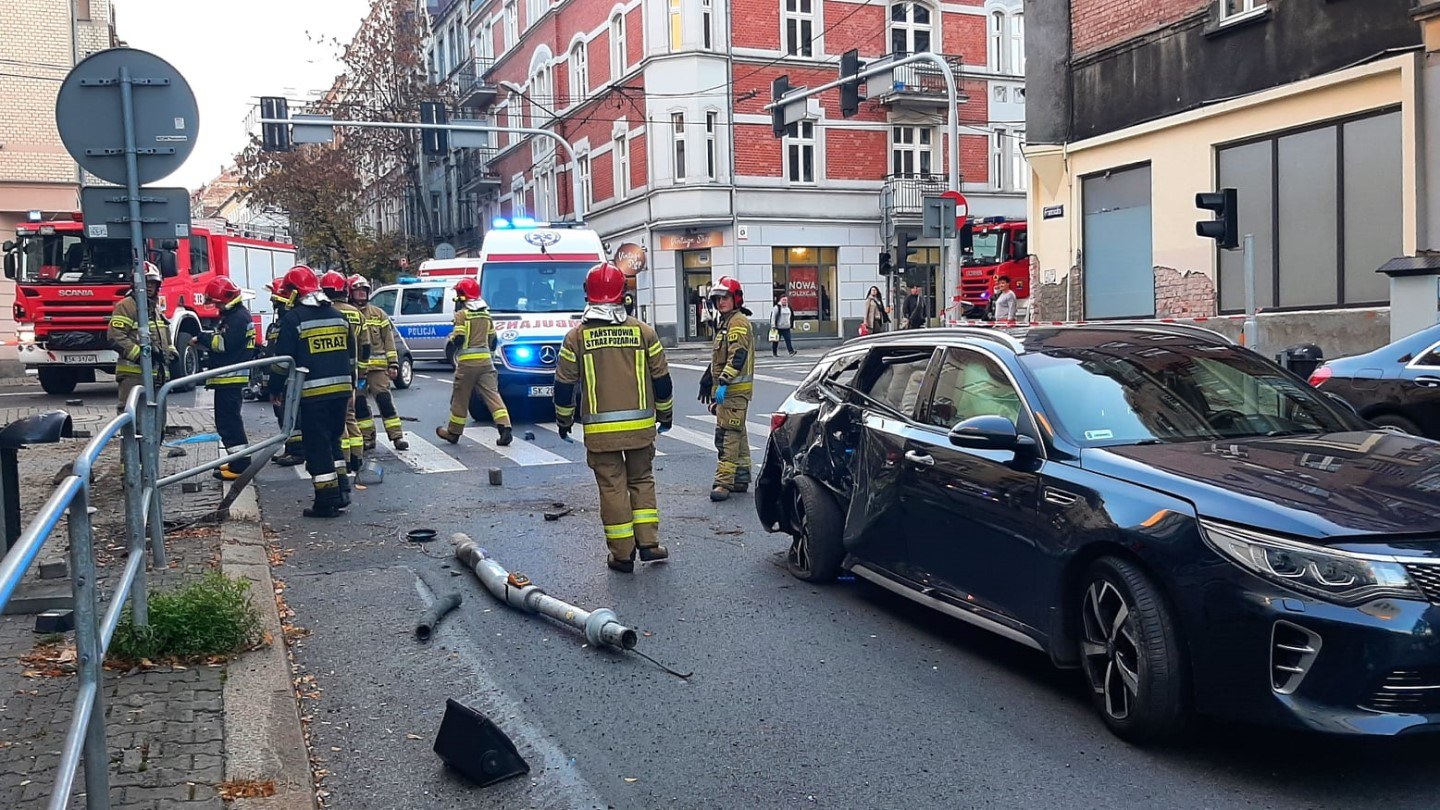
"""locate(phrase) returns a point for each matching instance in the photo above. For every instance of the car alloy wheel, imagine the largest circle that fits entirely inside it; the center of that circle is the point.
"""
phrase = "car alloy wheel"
(816, 553)
(1112, 654)
(406, 375)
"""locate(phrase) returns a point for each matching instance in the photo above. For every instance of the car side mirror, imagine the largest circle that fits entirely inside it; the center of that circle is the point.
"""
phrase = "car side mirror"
(169, 268)
(11, 266)
(989, 433)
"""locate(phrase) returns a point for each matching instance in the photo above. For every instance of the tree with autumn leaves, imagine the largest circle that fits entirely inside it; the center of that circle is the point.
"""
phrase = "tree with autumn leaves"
(328, 188)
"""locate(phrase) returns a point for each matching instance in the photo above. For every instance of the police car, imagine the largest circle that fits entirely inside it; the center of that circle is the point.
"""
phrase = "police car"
(533, 277)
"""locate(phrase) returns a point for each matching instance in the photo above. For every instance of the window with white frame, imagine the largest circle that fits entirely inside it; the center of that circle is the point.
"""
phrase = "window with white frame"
(512, 25)
(1019, 168)
(542, 195)
(484, 45)
(579, 74)
(707, 24)
(534, 10)
(712, 123)
(798, 23)
(1017, 43)
(998, 50)
(542, 98)
(910, 27)
(620, 162)
(617, 47)
(999, 157)
(517, 197)
(912, 151)
(587, 181)
(1230, 9)
(677, 26)
(799, 146)
(677, 125)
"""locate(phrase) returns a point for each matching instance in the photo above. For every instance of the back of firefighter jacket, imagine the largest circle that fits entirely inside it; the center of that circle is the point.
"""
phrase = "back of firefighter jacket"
(233, 342)
(623, 382)
(320, 340)
(474, 336)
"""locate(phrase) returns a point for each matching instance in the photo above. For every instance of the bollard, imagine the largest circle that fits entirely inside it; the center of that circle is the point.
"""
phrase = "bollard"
(497, 476)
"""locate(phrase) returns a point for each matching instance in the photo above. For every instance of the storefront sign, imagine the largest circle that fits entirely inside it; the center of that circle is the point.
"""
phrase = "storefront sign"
(691, 241)
(804, 291)
(630, 258)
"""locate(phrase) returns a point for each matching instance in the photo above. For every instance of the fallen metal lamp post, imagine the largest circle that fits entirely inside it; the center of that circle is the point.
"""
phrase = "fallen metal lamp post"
(601, 627)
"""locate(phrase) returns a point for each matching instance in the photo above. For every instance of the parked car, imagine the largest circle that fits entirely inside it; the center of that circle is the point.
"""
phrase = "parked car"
(1189, 525)
(1395, 386)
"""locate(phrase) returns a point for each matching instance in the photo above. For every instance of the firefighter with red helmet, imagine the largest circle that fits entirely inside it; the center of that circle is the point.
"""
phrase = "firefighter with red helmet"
(232, 342)
(727, 386)
(379, 364)
(321, 340)
(337, 288)
(294, 453)
(472, 341)
(123, 335)
(618, 366)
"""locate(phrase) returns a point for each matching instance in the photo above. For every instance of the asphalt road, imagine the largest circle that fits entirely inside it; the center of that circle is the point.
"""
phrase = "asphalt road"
(802, 696)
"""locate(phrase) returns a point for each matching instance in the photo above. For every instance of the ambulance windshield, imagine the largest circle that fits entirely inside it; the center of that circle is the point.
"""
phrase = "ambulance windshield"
(539, 286)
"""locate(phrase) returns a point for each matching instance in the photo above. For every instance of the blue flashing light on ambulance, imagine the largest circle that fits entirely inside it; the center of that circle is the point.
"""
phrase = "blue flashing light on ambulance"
(532, 275)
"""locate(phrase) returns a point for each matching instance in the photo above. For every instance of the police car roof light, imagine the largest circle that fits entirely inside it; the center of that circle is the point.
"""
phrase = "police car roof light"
(407, 280)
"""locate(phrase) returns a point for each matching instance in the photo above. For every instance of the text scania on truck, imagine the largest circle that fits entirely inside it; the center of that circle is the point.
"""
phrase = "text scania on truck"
(67, 284)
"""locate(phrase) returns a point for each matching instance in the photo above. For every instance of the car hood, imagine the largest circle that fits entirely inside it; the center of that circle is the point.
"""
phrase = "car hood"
(1331, 486)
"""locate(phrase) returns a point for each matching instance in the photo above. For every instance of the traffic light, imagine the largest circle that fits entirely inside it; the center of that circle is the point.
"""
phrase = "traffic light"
(778, 89)
(1225, 227)
(275, 137)
(886, 268)
(904, 252)
(850, 65)
(434, 141)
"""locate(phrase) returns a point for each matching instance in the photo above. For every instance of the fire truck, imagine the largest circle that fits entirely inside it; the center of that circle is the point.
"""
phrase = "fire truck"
(1000, 248)
(67, 284)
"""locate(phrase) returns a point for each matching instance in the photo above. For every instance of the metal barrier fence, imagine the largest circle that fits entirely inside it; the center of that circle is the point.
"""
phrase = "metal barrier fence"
(141, 427)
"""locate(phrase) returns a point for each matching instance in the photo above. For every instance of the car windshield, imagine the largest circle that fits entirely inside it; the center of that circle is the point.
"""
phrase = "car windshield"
(1136, 392)
(989, 247)
(540, 286)
(69, 259)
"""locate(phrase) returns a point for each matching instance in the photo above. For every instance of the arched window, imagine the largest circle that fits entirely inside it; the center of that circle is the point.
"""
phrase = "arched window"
(910, 28)
(579, 74)
(997, 42)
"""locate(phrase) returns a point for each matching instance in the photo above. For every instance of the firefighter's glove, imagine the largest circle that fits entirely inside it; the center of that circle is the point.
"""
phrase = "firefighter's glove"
(665, 423)
(360, 386)
(706, 384)
(720, 393)
(565, 433)
(393, 372)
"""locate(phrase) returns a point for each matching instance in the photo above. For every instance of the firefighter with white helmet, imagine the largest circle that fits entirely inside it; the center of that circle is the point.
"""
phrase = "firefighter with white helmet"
(625, 392)
(727, 386)
(379, 364)
(474, 339)
(124, 336)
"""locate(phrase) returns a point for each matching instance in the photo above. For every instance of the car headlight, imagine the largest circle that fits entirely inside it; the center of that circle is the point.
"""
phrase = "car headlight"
(1336, 576)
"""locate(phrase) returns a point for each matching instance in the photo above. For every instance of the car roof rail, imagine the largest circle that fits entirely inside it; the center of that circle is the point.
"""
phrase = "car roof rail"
(992, 334)
(1186, 328)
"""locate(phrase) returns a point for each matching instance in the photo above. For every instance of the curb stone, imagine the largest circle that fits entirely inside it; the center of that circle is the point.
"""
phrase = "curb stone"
(264, 741)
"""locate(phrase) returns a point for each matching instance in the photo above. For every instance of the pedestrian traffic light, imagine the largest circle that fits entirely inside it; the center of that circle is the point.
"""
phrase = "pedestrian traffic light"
(778, 89)
(275, 137)
(904, 252)
(850, 65)
(1225, 227)
(434, 141)
(886, 268)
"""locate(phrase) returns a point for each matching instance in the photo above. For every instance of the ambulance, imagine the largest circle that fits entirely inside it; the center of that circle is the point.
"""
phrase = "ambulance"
(533, 277)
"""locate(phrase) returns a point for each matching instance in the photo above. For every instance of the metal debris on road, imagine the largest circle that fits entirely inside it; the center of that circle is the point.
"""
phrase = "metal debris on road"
(425, 628)
(557, 511)
(497, 476)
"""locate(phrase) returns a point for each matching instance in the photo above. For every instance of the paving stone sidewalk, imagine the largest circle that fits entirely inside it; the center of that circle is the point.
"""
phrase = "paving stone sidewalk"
(166, 725)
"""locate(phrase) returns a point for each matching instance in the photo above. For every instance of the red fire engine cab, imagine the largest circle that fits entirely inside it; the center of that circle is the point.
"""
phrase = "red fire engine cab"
(1000, 248)
(67, 284)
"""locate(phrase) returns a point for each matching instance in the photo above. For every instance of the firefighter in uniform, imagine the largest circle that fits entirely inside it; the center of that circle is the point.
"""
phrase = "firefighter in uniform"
(320, 339)
(727, 386)
(124, 337)
(232, 342)
(474, 339)
(294, 451)
(379, 364)
(624, 389)
(337, 288)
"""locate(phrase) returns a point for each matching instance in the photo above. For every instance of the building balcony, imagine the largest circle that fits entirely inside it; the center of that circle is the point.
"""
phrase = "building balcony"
(903, 197)
(473, 172)
(920, 83)
(472, 86)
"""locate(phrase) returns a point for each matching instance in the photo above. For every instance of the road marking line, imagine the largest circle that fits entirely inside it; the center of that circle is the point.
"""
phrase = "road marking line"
(524, 453)
(765, 377)
(423, 457)
(695, 437)
(423, 376)
(577, 432)
(754, 428)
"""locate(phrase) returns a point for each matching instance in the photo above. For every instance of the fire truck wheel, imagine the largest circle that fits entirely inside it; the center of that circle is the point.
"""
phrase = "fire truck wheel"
(186, 364)
(58, 379)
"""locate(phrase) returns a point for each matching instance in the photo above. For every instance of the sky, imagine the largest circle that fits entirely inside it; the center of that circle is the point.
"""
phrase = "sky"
(233, 53)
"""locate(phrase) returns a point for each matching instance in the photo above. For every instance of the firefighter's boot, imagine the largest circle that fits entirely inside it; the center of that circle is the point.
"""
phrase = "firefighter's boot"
(506, 436)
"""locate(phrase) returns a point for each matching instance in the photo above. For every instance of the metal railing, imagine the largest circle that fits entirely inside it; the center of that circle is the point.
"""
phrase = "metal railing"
(923, 80)
(470, 81)
(904, 194)
(140, 427)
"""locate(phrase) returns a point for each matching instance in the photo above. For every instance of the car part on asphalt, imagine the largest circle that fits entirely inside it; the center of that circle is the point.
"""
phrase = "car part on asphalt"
(601, 627)
(420, 535)
(497, 476)
(472, 744)
(371, 473)
(425, 628)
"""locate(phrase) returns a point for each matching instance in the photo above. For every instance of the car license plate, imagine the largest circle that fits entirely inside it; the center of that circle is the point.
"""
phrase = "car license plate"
(81, 358)
(542, 390)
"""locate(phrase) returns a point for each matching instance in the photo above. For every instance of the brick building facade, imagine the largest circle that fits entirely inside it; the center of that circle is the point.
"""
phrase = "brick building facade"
(663, 101)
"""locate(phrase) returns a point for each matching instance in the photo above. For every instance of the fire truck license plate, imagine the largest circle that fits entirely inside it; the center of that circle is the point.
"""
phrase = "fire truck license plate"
(542, 390)
(974, 273)
(81, 359)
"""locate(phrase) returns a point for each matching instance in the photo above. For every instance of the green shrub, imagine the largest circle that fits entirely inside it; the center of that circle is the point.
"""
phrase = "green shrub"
(209, 617)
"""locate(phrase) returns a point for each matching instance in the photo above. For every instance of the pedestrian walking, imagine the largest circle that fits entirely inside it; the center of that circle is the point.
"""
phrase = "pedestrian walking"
(380, 364)
(727, 385)
(1005, 301)
(294, 453)
(336, 287)
(914, 311)
(321, 340)
(232, 342)
(474, 339)
(781, 322)
(877, 319)
(625, 393)
(123, 335)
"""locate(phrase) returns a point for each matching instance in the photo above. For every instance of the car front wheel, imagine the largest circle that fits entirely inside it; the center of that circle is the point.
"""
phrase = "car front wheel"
(816, 552)
(1130, 648)
(406, 376)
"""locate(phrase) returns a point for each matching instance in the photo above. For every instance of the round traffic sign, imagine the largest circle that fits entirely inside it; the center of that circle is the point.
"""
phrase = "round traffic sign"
(444, 250)
(90, 115)
(962, 207)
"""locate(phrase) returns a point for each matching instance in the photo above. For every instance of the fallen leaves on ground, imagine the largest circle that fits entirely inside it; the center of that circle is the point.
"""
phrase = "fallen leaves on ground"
(55, 660)
(245, 789)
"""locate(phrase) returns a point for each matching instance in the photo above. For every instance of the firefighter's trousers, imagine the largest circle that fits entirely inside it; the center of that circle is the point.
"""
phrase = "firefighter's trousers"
(294, 446)
(627, 498)
(322, 423)
(352, 444)
(229, 424)
(377, 384)
(486, 382)
(127, 383)
(733, 445)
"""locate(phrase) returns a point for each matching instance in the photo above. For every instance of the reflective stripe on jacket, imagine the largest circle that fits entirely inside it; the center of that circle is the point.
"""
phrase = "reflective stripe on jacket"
(733, 361)
(474, 336)
(233, 342)
(622, 381)
(321, 340)
(124, 334)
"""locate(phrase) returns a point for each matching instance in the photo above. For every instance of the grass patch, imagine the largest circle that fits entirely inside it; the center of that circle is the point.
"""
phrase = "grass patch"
(209, 617)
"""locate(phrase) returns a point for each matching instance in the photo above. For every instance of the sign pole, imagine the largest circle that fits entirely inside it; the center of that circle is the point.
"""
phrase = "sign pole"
(137, 241)
(1251, 327)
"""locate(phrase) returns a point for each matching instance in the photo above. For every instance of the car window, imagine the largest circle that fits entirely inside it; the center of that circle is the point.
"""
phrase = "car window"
(894, 376)
(422, 301)
(969, 384)
(385, 300)
(1431, 357)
